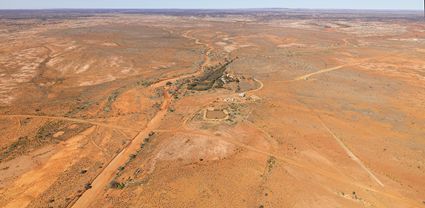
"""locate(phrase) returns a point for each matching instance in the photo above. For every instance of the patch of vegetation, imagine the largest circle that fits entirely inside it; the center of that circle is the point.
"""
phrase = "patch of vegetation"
(209, 78)
(69, 185)
(116, 185)
(25, 121)
(78, 109)
(271, 163)
(111, 98)
(156, 106)
(159, 92)
(47, 130)
(144, 83)
(147, 139)
(88, 186)
(354, 196)
(114, 95)
(133, 156)
(17, 146)
(44, 135)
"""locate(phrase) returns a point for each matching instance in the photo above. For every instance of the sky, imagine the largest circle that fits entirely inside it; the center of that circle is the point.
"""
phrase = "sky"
(215, 4)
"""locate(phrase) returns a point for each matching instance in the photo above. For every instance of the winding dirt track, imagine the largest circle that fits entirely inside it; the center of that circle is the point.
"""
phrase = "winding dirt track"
(206, 62)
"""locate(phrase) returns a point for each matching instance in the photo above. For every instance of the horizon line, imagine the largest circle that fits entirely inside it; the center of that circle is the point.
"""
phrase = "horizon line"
(248, 8)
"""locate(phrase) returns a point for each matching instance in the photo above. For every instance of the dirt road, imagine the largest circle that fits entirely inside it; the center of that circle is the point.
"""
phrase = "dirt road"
(351, 154)
(305, 77)
(364, 60)
(102, 180)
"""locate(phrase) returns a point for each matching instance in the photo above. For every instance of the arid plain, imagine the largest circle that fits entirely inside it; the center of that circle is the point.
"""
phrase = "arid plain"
(273, 108)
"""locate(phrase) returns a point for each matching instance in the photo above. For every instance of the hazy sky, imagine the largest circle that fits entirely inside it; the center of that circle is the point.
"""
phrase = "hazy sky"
(333, 4)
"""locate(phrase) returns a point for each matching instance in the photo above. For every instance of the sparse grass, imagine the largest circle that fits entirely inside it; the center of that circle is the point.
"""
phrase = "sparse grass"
(271, 163)
(156, 106)
(43, 136)
(114, 95)
(79, 108)
(144, 83)
(47, 130)
(16, 146)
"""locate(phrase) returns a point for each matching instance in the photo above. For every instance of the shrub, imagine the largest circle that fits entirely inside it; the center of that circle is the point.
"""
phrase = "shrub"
(116, 185)
(87, 186)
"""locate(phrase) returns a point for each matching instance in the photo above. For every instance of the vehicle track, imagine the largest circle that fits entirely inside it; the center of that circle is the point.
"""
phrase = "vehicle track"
(305, 77)
(258, 89)
(206, 62)
(350, 153)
